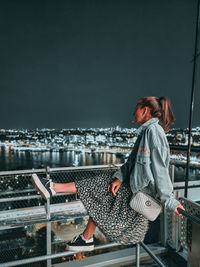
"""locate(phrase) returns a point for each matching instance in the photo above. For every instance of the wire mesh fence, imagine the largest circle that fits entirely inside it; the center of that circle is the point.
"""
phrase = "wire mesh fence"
(22, 239)
(17, 191)
(20, 243)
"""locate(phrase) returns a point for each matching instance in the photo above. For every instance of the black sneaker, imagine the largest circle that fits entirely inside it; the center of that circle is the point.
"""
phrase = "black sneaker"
(80, 244)
(43, 185)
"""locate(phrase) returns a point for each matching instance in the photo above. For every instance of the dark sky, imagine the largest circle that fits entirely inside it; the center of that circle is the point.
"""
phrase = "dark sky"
(85, 63)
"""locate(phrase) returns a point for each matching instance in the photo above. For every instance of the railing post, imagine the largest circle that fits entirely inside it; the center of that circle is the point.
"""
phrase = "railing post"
(178, 226)
(48, 224)
(171, 172)
(137, 255)
(164, 214)
(48, 242)
(163, 227)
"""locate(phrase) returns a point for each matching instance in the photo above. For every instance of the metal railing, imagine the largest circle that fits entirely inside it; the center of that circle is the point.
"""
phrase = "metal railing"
(181, 237)
(187, 232)
(16, 189)
(24, 208)
(192, 218)
(21, 207)
(150, 253)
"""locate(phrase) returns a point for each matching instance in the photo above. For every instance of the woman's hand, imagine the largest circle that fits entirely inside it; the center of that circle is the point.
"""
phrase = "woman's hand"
(114, 186)
(180, 207)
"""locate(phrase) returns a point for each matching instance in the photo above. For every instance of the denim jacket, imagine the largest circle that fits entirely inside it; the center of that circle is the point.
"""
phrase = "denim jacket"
(147, 168)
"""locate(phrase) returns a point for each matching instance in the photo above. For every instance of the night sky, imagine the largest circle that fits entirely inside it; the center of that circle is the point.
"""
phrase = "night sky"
(85, 63)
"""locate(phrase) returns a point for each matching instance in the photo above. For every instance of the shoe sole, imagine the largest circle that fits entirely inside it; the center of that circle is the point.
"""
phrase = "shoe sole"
(39, 186)
(80, 248)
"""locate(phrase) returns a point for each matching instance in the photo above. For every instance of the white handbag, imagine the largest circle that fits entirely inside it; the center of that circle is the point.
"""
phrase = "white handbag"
(146, 205)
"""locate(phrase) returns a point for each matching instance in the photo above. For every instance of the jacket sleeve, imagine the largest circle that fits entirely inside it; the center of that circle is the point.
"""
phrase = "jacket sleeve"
(160, 169)
(124, 172)
(121, 174)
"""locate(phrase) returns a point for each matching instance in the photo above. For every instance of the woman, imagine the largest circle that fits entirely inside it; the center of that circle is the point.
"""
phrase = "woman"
(106, 199)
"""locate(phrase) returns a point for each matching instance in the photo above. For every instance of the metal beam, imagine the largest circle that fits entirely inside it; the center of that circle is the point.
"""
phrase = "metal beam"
(192, 99)
(153, 256)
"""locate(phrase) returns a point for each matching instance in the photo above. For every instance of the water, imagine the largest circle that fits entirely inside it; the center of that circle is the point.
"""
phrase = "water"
(22, 160)
(16, 160)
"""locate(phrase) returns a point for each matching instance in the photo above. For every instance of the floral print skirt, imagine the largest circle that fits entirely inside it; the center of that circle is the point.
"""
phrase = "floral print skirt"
(112, 215)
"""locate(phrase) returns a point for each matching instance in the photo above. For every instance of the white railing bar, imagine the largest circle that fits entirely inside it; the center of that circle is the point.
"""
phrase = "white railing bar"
(4, 173)
(30, 197)
(19, 198)
(54, 256)
(17, 192)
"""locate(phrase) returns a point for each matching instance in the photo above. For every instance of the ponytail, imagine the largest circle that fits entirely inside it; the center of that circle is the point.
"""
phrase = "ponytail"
(167, 118)
(161, 108)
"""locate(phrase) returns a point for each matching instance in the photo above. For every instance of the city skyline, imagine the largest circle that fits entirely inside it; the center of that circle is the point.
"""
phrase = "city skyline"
(71, 64)
(113, 127)
(71, 147)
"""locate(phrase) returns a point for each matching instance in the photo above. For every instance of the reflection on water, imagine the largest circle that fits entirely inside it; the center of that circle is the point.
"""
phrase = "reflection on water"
(15, 160)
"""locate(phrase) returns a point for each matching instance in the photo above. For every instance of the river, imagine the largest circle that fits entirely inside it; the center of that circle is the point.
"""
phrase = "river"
(22, 160)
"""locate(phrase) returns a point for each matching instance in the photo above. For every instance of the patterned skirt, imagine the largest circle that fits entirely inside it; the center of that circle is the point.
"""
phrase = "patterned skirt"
(112, 215)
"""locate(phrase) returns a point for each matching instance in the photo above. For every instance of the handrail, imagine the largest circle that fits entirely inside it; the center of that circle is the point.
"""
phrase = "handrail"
(30, 171)
(54, 256)
(192, 218)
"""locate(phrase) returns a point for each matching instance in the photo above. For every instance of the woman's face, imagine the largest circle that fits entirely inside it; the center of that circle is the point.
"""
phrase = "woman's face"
(142, 114)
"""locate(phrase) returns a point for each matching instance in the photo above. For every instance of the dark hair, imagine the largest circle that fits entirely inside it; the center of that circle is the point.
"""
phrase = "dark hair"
(161, 108)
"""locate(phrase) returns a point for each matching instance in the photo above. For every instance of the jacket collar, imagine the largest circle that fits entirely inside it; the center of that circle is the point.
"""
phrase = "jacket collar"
(145, 125)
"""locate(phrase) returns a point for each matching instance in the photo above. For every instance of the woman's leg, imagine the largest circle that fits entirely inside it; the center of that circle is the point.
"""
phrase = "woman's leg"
(48, 189)
(64, 188)
(84, 242)
(89, 230)
(71, 188)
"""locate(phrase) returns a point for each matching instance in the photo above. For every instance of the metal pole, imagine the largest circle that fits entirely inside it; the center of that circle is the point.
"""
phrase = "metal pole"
(177, 227)
(163, 227)
(137, 255)
(52, 256)
(192, 100)
(153, 256)
(48, 213)
(190, 217)
(48, 242)
(48, 224)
